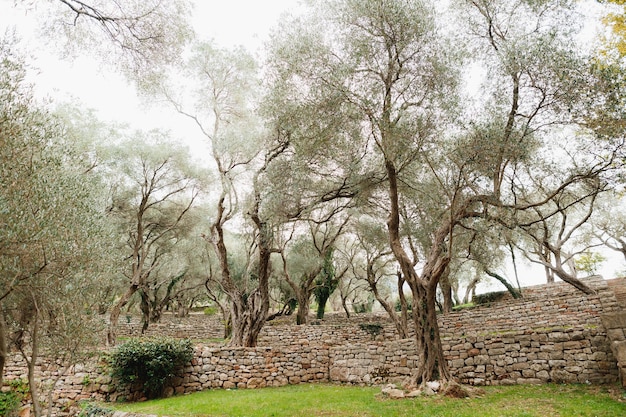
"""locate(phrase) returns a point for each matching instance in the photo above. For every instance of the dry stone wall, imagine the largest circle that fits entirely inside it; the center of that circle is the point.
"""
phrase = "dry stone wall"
(554, 333)
(194, 326)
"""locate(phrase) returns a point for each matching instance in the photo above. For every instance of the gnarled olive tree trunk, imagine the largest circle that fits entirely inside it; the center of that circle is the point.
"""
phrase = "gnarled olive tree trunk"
(432, 364)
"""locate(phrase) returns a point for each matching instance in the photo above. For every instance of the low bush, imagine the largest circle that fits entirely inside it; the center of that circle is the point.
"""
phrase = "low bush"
(11, 400)
(373, 329)
(489, 297)
(9, 403)
(150, 363)
(95, 410)
(409, 304)
(210, 311)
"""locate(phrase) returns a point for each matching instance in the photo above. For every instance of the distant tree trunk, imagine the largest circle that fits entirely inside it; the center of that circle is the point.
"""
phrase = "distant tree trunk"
(470, 290)
(344, 304)
(3, 346)
(401, 326)
(321, 305)
(224, 310)
(182, 310)
(446, 291)
(519, 288)
(115, 314)
(302, 290)
(545, 255)
(302, 314)
(404, 310)
(144, 306)
(30, 363)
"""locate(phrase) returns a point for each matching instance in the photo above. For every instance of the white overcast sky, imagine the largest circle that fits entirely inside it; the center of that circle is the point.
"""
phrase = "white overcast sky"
(228, 22)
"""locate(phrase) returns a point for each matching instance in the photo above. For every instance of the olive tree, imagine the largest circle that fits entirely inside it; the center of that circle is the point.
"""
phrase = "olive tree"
(372, 80)
(134, 36)
(54, 250)
(155, 189)
(220, 97)
(307, 261)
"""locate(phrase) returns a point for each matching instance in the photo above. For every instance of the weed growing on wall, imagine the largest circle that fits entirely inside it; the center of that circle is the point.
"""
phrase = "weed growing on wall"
(10, 401)
(150, 363)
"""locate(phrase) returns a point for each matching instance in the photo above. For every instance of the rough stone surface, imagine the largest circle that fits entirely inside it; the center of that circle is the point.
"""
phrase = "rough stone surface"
(554, 333)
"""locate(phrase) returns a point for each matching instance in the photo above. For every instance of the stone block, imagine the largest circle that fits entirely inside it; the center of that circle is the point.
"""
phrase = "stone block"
(614, 320)
(557, 363)
(572, 345)
(543, 375)
(339, 374)
(457, 363)
(520, 366)
(558, 337)
(619, 351)
(560, 376)
(473, 352)
(482, 360)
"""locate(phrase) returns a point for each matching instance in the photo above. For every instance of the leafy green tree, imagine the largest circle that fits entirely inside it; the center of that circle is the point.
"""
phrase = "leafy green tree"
(151, 203)
(372, 88)
(589, 262)
(52, 228)
(308, 265)
(325, 284)
(219, 94)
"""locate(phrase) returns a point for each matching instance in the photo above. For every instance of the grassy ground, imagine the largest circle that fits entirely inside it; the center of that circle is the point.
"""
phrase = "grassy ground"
(311, 400)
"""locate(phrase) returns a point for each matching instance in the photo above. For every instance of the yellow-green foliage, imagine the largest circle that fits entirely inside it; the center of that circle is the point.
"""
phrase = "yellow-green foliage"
(589, 262)
(616, 21)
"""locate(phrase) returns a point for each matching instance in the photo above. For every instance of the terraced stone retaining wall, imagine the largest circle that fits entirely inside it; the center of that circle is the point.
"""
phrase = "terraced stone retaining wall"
(554, 333)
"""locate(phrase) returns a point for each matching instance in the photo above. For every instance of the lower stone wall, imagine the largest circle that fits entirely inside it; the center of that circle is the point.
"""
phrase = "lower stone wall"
(253, 368)
(554, 333)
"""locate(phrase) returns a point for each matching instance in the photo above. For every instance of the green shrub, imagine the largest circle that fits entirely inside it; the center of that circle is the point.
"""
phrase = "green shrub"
(150, 363)
(9, 403)
(210, 311)
(20, 387)
(409, 304)
(95, 410)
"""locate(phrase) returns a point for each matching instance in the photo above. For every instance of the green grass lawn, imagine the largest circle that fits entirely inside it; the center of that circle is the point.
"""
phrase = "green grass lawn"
(310, 400)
